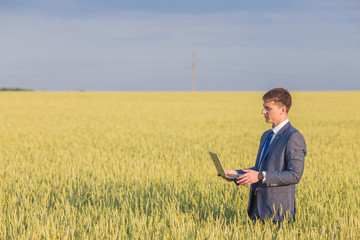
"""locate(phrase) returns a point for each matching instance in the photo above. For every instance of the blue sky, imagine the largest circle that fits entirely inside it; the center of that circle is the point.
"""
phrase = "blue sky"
(148, 45)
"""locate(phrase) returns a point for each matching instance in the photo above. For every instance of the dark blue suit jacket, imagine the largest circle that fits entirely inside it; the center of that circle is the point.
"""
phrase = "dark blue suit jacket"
(284, 166)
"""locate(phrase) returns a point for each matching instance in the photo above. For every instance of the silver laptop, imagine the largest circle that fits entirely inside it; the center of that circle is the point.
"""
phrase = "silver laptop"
(220, 168)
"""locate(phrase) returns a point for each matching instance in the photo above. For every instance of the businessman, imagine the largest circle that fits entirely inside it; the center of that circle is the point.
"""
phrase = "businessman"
(279, 163)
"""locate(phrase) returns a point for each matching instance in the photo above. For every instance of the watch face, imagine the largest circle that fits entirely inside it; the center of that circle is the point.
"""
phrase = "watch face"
(261, 176)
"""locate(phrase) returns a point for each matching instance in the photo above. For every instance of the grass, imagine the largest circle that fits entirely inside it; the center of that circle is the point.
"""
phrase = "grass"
(123, 165)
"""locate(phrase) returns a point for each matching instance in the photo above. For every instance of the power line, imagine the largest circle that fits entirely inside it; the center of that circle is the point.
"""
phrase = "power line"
(193, 72)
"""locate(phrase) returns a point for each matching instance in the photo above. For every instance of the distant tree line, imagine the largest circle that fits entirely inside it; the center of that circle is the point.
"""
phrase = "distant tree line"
(14, 89)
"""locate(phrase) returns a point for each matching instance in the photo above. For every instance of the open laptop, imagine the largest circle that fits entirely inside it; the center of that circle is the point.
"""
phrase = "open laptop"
(220, 168)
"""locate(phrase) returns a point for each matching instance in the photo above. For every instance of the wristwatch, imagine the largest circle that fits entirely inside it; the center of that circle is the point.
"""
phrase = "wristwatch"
(261, 176)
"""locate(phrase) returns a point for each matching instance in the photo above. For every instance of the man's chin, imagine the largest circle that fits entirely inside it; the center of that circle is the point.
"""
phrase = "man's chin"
(268, 121)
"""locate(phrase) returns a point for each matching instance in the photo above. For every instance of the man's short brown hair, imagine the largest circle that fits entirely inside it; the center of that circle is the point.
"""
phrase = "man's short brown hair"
(280, 96)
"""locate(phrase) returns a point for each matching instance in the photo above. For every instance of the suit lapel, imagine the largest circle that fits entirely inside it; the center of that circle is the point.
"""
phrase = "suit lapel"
(274, 141)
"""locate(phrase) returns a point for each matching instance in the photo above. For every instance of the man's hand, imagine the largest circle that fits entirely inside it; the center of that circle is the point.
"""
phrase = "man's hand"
(248, 178)
(229, 172)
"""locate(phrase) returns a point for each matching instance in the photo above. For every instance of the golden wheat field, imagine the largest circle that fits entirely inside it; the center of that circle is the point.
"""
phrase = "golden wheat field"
(135, 165)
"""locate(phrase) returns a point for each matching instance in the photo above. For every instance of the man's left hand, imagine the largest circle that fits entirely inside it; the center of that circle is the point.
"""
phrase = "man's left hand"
(249, 177)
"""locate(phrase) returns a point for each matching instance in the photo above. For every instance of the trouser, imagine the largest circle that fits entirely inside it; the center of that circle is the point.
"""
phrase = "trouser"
(254, 211)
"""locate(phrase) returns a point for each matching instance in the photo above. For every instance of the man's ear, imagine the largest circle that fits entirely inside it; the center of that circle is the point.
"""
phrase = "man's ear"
(283, 109)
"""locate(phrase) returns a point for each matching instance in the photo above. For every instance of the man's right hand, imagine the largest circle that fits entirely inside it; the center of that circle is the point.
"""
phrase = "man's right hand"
(228, 172)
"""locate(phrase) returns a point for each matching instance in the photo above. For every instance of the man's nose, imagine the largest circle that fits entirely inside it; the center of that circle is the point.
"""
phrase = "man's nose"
(263, 111)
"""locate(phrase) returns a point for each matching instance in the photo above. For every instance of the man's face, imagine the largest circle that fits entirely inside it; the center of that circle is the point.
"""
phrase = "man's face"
(274, 113)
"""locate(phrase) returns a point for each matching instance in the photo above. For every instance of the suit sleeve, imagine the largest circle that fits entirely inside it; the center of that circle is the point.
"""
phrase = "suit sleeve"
(294, 157)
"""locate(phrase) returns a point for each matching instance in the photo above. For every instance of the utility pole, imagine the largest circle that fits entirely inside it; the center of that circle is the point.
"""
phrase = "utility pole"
(193, 72)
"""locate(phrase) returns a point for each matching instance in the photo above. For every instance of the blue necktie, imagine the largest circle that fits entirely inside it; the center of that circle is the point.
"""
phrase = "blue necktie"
(267, 144)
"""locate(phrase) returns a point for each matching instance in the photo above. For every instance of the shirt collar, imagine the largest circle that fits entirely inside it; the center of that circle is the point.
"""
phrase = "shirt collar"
(280, 126)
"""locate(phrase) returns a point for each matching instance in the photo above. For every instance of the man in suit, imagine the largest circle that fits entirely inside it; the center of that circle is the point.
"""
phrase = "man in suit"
(279, 163)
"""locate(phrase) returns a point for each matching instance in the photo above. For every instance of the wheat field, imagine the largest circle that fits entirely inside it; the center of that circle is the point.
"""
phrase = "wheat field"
(135, 165)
